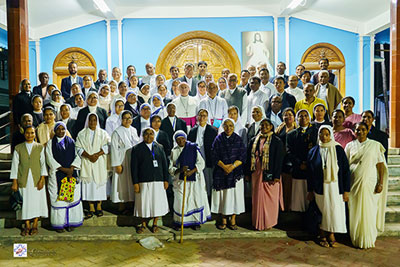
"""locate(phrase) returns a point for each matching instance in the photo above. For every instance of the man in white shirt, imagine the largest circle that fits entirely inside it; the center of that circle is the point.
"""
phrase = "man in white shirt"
(275, 113)
(236, 96)
(117, 74)
(293, 89)
(266, 86)
(244, 80)
(189, 79)
(256, 97)
(216, 106)
(174, 70)
(150, 78)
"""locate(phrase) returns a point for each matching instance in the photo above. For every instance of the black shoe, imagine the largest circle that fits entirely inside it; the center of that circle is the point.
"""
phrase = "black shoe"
(60, 231)
(70, 229)
(89, 215)
(98, 213)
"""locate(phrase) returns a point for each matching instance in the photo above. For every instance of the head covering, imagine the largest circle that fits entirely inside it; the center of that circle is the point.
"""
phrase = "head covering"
(123, 113)
(60, 139)
(328, 156)
(130, 92)
(55, 90)
(35, 96)
(198, 95)
(21, 89)
(145, 97)
(81, 94)
(226, 82)
(89, 94)
(145, 129)
(262, 112)
(113, 102)
(229, 119)
(87, 120)
(157, 95)
(58, 124)
(238, 124)
(180, 133)
(298, 113)
(128, 135)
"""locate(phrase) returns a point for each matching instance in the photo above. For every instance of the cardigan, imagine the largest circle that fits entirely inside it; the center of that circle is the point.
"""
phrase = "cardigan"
(210, 133)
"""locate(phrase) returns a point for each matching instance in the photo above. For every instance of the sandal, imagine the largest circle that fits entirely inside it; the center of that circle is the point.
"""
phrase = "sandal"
(25, 231)
(34, 231)
(99, 213)
(323, 242)
(333, 243)
(154, 229)
(89, 215)
(233, 227)
(140, 229)
(221, 226)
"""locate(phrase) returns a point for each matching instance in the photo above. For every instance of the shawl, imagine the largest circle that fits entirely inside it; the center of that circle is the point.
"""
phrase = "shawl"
(265, 152)
(188, 157)
(228, 150)
(330, 166)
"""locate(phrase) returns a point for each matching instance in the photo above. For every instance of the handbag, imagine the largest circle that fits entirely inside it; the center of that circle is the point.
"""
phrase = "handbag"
(67, 189)
(15, 201)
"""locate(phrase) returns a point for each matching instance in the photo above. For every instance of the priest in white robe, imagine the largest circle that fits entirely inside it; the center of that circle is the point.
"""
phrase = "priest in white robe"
(216, 106)
(186, 106)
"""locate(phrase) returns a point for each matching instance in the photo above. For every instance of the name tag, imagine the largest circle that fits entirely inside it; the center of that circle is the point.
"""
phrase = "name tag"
(155, 163)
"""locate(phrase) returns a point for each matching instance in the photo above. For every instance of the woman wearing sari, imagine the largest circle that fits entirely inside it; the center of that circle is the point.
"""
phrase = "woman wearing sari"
(229, 153)
(264, 162)
(367, 198)
(63, 161)
(122, 141)
(186, 160)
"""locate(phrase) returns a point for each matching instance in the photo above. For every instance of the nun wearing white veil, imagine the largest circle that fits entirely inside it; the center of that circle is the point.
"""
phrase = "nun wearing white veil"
(187, 154)
(122, 141)
(92, 146)
(234, 114)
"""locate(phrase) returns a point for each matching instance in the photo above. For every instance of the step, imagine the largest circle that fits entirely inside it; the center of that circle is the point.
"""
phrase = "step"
(392, 214)
(394, 183)
(393, 198)
(392, 229)
(5, 175)
(394, 151)
(393, 159)
(5, 155)
(4, 204)
(394, 170)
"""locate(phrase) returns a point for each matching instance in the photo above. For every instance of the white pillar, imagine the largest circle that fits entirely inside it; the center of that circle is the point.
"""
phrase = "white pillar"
(287, 44)
(361, 75)
(37, 49)
(372, 74)
(109, 69)
(120, 44)
(275, 44)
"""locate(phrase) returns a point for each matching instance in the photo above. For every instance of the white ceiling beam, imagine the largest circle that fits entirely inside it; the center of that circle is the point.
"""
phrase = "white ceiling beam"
(198, 11)
(330, 20)
(65, 25)
(377, 24)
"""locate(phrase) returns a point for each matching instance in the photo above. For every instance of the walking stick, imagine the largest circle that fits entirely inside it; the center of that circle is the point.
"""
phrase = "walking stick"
(183, 203)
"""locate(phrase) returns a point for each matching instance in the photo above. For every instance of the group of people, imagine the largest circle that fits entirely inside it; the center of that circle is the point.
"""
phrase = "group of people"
(281, 140)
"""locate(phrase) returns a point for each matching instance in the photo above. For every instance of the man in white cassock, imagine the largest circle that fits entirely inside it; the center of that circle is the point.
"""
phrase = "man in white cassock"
(186, 106)
(216, 106)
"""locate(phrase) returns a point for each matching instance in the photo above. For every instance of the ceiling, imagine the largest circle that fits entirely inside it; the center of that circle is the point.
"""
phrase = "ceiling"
(47, 17)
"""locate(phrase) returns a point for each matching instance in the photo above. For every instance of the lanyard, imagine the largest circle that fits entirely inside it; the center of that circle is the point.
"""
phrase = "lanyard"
(173, 124)
(152, 151)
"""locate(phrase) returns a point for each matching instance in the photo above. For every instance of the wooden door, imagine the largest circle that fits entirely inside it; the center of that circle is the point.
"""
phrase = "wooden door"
(196, 46)
(84, 60)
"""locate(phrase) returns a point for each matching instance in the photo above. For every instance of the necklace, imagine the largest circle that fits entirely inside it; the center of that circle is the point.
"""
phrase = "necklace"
(186, 108)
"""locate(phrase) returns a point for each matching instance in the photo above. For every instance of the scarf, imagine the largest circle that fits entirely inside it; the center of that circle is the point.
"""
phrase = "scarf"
(329, 160)
(145, 97)
(280, 127)
(265, 151)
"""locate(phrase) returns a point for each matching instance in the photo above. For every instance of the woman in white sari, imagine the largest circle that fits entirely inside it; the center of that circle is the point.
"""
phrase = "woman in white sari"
(367, 198)
(63, 161)
(197, 210)
(92, 146)
(122, 141)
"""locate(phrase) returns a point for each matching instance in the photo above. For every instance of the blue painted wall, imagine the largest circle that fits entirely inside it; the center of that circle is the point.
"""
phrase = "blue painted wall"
(303, 34)
(32, 63)
(92, 38)
(3, 38)
(383, 37)
(366, 71)
(144, 39)
(114, 45)
(281, 40)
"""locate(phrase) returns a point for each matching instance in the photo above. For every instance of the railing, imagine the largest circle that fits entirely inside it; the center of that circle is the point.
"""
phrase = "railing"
(3, 125)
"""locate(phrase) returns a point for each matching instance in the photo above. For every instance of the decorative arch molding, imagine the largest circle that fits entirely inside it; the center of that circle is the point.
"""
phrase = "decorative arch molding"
(84, 60)
(195, 46)
(336, 59)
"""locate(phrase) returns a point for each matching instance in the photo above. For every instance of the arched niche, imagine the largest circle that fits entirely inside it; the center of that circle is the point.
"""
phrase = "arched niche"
(84, 60)
(195, 46)
(336, 59)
